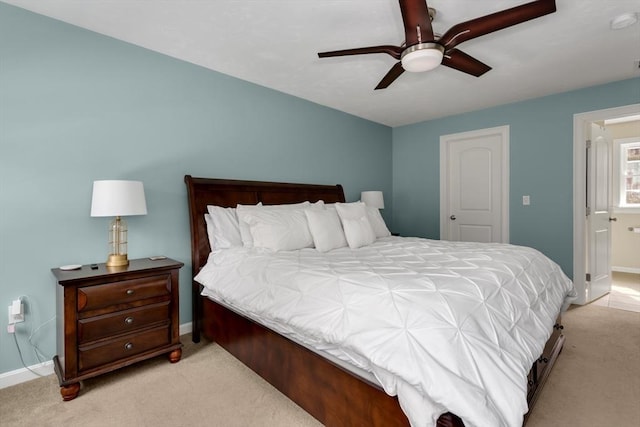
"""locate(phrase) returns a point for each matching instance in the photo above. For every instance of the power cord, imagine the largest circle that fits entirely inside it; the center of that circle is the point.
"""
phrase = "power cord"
(36, 349)
(38, 353)
(22, 359)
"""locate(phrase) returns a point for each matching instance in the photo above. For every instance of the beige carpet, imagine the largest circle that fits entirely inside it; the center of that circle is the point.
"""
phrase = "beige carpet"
(596, 382)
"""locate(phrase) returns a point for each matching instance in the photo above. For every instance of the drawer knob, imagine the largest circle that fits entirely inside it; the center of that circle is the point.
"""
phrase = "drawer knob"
(128, 346)
(128, 320)
(130, 291)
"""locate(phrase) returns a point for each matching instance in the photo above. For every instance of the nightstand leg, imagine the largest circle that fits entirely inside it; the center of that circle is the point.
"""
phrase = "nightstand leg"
(175, 355)
(69, 392)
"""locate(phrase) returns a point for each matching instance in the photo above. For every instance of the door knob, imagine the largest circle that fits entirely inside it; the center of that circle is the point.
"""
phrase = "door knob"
(613, 219)
(452, 217)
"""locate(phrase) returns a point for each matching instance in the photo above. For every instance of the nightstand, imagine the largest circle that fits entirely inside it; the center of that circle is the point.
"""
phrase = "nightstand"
(108, 318)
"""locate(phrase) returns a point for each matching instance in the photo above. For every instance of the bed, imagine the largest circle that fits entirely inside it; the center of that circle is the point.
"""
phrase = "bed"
(329, 391)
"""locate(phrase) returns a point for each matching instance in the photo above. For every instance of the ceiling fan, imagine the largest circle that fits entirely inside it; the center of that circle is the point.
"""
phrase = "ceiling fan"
(423, 50)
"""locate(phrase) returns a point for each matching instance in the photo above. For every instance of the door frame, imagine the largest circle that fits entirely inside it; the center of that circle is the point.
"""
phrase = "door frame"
(580, 122)
(444, 173)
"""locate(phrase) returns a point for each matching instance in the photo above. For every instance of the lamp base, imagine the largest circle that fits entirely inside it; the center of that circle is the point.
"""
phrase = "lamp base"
(117, 260)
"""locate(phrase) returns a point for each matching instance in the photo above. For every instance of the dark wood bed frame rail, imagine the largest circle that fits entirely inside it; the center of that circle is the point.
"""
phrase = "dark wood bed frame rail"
(332, 395)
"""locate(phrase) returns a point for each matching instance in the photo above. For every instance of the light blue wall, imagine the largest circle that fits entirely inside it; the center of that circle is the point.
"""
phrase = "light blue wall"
(541, 156)
(76, 107)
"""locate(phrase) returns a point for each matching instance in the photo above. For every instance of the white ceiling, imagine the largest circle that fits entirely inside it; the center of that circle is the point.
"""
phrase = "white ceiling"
(274, 43)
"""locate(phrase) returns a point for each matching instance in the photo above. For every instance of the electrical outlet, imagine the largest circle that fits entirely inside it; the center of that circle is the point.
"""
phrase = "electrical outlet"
(526, 200)
(16, 312)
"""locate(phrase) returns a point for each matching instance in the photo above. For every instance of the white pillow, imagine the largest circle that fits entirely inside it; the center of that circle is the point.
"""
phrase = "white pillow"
(326, 229)
(210, 234)
(244, 210)
(279, 229)
(245, 232)
(226, 230)
(377, 222)
(355, 221)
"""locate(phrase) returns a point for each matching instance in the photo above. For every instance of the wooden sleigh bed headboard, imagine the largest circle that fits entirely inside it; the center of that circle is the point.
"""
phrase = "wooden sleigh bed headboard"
(229, 193)
(325, 390)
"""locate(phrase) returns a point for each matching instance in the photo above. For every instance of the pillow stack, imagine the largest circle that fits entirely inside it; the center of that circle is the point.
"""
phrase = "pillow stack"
(295, 226)
(278, 227)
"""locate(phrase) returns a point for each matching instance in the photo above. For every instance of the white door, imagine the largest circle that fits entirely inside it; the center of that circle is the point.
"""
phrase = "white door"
(474, 181)
(581, 133)
(598, 213)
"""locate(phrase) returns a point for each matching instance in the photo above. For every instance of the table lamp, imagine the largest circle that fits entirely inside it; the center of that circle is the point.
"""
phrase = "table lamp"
(374, 199)
(118, 198)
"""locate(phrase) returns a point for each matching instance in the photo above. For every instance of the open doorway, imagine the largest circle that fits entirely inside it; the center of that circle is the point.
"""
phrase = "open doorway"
(617, 216)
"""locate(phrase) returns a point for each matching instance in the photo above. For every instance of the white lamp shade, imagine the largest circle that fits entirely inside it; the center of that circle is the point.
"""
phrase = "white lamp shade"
(118, 198)
(373, 199)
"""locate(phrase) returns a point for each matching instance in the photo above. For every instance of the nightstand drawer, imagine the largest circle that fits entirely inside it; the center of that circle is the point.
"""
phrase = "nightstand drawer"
(94, 297)
(97, 327)
(127, 346)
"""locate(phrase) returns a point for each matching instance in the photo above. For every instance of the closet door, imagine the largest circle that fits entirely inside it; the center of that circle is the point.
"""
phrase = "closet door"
(474, 186)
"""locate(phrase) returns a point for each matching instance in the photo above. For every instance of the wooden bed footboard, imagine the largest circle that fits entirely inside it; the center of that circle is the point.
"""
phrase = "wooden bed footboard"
(331, 394)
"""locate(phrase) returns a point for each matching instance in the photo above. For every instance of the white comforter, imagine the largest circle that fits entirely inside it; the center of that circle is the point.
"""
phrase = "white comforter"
(447, 326)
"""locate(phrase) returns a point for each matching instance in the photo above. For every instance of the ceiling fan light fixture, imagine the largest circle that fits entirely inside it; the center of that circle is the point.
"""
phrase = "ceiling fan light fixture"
(422, 57)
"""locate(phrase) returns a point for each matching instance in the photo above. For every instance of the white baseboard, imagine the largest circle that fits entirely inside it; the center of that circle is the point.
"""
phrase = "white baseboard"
(626, 269)
(186, 328)
(7, 379)
(22, 375)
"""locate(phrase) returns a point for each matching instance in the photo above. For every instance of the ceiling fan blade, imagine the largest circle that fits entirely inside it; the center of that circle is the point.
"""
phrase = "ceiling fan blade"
(460, 61)
(417, 22)
(388, 49)
(389, 78)
(496, 21)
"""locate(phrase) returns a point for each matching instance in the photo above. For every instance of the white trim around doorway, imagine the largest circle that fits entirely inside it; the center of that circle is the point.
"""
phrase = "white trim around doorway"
(579, 189)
